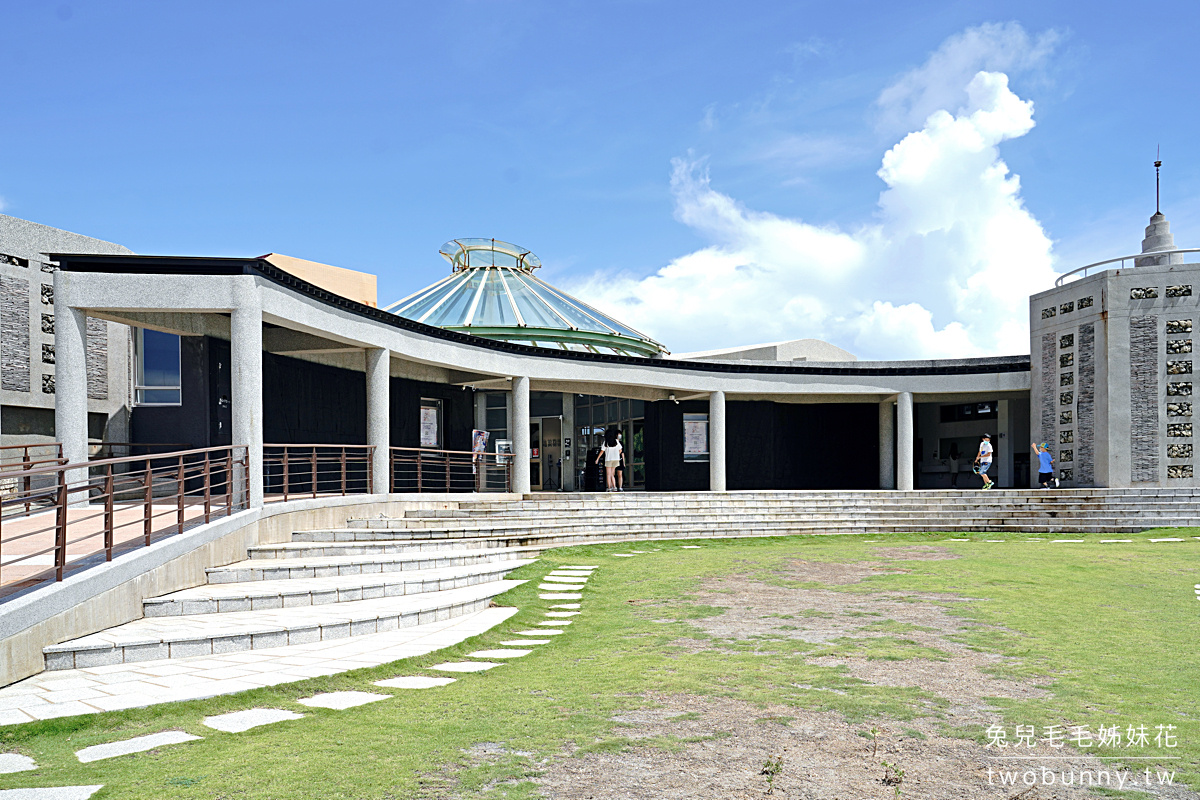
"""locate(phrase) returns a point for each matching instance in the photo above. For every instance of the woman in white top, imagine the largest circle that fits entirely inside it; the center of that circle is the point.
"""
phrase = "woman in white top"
(611, 453)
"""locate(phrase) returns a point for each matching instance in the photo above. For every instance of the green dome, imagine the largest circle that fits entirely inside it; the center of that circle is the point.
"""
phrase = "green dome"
(492, 292)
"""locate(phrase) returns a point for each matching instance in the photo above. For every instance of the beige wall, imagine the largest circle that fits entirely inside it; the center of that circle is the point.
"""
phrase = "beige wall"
(357, 286)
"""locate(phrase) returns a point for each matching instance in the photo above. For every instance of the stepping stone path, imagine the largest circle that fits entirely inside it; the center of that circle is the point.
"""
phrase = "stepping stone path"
(53, 793)
(623, 555)
(561, 596)
(1166, 540)
(15, 762)
(238, 721)
(523, 642)
(415, 682)
(138, 744)
(555, 622)
(465, 666)
(564, 579)
(691, 547)
(499, 653)
(340, 701)
(537, 633)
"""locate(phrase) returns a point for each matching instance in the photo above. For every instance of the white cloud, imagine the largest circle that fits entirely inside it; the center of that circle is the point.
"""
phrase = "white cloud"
(944, 270)
(939, 83)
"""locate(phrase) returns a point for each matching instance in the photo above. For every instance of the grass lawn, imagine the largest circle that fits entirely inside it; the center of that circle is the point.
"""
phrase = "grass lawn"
(1108, 629)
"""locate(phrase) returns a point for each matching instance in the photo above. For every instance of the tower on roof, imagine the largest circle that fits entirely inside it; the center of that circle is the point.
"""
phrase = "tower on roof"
(1158, 233)
(491, 292)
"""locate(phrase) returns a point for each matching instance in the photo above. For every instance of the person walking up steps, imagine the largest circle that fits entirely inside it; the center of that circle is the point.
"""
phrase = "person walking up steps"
(1045, 464)
(983, 461)
(611, 453)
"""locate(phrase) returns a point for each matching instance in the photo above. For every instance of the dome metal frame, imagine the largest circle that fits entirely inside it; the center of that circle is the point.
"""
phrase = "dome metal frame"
(492, 292)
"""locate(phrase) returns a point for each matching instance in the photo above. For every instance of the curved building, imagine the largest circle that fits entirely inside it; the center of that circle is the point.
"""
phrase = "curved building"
(491, 292)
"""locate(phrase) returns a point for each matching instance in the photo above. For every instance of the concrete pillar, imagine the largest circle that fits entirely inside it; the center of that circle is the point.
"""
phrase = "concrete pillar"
(379, 418)
(1004, 449)
(519, 427)
(246, 375)
(904, 441)
(568, 435)
(716, 442)
(887, 445)
(70, 385)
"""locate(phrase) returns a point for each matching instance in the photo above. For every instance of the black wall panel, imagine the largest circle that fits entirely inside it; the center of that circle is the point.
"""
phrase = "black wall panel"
(769, 446)
(303, 403)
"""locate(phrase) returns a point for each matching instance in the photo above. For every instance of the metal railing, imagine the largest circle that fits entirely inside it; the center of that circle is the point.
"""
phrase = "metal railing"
(1121, 260)
(25, 458)
(315, 470)
(73, 516)
(418, 470)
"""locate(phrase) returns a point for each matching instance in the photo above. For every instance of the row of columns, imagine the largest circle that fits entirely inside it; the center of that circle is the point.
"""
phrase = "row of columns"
(247, 400)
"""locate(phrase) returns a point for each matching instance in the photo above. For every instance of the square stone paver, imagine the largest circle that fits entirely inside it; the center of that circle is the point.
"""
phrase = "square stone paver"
(691, 547)
(523, 642)
(15, 762)
(52, 793)
(465, 666)
(566, 579)
(414, 682)
(537, 633)
(138, 744)
(340, 701)
(238, 721)
(499, 653)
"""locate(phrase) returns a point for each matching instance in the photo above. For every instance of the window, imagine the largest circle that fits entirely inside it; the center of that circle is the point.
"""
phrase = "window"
(157, 369)
(969, 411)
(431, 422)
(695, 437)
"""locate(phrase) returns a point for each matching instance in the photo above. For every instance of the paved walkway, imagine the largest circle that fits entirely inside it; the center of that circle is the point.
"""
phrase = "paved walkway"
(63, 693)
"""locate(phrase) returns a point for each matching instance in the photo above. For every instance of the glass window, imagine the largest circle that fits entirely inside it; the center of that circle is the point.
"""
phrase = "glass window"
(157, 365)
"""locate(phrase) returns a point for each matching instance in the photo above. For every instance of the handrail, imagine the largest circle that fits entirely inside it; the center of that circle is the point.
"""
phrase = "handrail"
(75, 515)
(1152, 254)
(418, 469)
(311, 470)
(101, 462)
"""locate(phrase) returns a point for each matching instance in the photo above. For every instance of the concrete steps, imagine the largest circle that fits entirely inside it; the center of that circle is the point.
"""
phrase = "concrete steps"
(223, 598)
(208, 634)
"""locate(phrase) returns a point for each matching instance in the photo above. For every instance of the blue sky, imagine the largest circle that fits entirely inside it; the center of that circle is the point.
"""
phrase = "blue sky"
(624, 143)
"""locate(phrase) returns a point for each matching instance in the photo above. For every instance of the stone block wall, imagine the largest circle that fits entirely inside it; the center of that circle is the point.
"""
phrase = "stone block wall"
(1121, 369)
(27, 350)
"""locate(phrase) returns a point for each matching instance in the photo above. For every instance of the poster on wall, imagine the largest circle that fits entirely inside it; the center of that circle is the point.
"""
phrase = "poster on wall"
(479, 440)
(695, 436)
(429, 426)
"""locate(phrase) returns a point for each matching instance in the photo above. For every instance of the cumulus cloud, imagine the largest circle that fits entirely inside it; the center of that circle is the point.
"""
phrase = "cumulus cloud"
(939, 84)
(943, 270)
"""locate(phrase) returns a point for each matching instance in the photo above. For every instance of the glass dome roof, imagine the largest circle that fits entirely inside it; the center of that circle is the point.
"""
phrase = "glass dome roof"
(492, 292)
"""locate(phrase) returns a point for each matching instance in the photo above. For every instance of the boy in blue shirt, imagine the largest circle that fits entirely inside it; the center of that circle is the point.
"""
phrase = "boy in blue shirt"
(1045, 464)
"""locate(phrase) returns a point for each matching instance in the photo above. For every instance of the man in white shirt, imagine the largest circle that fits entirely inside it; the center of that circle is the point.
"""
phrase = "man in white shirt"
(984, 461)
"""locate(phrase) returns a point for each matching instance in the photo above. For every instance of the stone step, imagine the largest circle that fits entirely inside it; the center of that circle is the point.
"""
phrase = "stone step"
(224, 598)
(325, 543)
(808, 512)
(966, 519)
(207, 634)
(309, 566)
